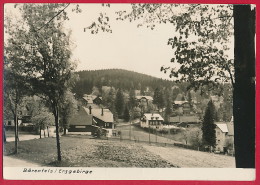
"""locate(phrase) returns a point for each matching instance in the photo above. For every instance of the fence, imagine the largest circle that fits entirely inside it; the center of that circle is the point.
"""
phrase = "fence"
(137, 134)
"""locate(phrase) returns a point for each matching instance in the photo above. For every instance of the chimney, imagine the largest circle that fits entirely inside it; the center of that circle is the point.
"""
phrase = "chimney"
(102, 112)
(90, 108)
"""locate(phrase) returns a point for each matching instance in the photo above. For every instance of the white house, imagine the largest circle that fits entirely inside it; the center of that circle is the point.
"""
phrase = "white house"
(224, 136)
(152, 120)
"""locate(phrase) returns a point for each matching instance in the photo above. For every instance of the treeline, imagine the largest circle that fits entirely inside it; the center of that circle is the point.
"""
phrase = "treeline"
(119, 79)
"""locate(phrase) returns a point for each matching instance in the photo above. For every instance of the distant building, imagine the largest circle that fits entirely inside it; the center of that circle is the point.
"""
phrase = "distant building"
(97, 100)
(82, 121)
(181, 105)
(103, 118)
(152, 120)
(144, 99)
(224, 136)
(92, 99)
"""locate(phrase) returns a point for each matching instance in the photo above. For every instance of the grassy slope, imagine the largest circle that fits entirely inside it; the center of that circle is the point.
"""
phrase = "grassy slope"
(82, 152)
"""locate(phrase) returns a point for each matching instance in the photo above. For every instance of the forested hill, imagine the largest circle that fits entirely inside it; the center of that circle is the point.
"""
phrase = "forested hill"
(117, 78)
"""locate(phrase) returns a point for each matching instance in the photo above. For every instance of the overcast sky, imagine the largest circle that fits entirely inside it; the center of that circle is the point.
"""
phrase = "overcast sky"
(127, 47)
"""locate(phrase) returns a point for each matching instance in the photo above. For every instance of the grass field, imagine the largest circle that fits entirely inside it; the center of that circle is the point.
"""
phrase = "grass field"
(139, 134)
(81, 151)
(84, 152)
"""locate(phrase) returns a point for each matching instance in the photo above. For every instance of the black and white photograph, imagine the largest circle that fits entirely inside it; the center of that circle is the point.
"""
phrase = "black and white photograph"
(128, 86)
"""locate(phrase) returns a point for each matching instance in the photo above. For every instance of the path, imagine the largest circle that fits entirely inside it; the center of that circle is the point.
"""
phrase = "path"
(23, 138)
(186, 158)
(14, 162)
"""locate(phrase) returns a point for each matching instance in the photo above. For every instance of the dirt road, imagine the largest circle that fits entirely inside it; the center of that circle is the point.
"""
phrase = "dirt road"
(186, 158)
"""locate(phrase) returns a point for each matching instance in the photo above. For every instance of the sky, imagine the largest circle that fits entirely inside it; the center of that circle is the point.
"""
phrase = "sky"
(127, 47)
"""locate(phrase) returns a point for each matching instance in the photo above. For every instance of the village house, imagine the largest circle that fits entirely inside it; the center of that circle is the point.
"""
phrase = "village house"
(82, 121)
(181, 105)
(88, 99)
(144, 100)
(102, 118)
(152, 120)
(97, 100)
(224, 137)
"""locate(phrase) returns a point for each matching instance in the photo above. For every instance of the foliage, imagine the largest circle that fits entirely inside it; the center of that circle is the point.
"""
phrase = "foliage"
(195, 136)
(201, 42)
(43, 119)
(136, 112)
(44, 53)
(159, 99)
(119, 103)
(132, 99)
(169, 108)
(67, 109)
(117, 78)
(126, 114)
(208, 126)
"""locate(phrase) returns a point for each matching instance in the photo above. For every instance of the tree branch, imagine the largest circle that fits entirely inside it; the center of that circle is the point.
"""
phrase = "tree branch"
(54, 17)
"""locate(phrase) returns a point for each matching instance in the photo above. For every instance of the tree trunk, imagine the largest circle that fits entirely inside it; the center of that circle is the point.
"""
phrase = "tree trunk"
(64, 130)
(40, 132)
(244, 87)
(16, 132)
(56, 116)
(48, 131)
(44, 133)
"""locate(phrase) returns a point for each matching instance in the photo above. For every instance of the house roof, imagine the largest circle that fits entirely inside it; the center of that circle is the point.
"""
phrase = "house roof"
(151, 116)
(81, 118)
(180, 97)
(185, 119)
(146, 97)
(230, 127)
(89, 98)
(222, 126)
(180, 102)
(106, 117)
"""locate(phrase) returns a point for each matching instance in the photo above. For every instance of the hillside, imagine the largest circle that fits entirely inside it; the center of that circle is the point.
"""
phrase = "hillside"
(118, 78)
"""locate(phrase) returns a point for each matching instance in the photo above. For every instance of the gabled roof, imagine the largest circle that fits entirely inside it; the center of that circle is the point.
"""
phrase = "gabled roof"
(97, 112)
(180, 102)
(89, 98)
(230, 127)
(180, 97)
(81, 118)
(146, 97)
(155, 116)
(222, 126)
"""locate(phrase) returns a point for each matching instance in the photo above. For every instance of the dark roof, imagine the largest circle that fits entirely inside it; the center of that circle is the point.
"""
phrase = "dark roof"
(81, 118)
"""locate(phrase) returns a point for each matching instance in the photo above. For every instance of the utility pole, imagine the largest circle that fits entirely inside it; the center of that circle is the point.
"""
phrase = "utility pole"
(149, 133)
(130, 131)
